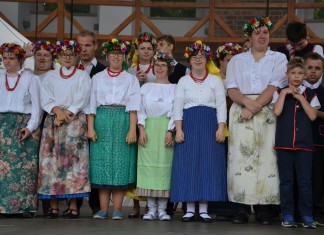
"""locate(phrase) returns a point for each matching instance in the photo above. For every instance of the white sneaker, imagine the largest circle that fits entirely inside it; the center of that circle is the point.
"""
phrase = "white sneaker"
(164, 217)
(149, 216)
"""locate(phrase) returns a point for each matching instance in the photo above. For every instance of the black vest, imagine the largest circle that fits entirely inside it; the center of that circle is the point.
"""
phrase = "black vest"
(318, 124)
(97, 69)
(308, 49)
(294, 128)
(179, 72)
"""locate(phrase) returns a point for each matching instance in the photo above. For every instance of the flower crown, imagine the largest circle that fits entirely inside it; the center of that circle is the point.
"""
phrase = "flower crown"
(44, 45)
(198, 46)
(228, 49)
(13, 48)
(164, 57)
(144, 37)
(116, 45)
(256, 22)
(67, 44)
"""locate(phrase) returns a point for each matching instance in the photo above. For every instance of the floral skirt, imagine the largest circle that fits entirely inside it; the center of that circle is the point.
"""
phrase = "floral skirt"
(18, 165)
(64, 159)
(252, 171)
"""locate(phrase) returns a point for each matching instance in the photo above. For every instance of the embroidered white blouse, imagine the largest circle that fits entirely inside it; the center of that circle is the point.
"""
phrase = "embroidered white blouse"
(251, 77)
(25, 98)
(150, 76)
(72, 93)
(157, 101)
(210, 93)
(123, 89)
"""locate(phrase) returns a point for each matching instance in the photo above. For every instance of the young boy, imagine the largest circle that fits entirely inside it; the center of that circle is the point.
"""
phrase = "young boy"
(295, 107)
(298, 45)
(166, 43)
(315, 66)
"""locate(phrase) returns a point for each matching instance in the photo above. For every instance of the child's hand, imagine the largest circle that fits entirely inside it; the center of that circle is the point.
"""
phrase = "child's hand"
(69, 114)
(141, 76)
(168, 141)
(179, 138)
(92, 135)
(131, 137)
(220, 137)
(24, 133)
(142, 138)
(299, 97)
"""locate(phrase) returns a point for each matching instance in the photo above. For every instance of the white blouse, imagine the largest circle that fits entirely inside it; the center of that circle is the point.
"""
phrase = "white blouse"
(121, 90)
(150, 76)
(157, 101)
(251, 77)
(210, 93)
(72, 93)
(25, 98)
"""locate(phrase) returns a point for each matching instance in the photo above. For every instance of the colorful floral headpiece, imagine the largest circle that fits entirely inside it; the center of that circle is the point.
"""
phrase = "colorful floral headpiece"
(44, 45)
(165, 57)
(116, 45)
(198, 46)
(13, 48)
(256, 22)
(228, 49)
(67, 44)
(144, 37)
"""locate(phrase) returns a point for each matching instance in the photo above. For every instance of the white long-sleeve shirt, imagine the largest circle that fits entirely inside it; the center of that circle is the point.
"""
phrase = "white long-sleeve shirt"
(123, 89)
(157, 101)
(71, 94)
(251, 77)
(25, 98)
(210, 93)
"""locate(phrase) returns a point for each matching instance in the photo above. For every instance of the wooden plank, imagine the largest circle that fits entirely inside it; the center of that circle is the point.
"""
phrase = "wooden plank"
(150, 24)
(47, 36)
(211, 27)
(137, 17)
(8, 21)
(291, 10)
(309, 5)
(197, 26)
(60, 19)
(225, 26)
(123, 25)
(279, 24)
(75, 22)
(46, 21)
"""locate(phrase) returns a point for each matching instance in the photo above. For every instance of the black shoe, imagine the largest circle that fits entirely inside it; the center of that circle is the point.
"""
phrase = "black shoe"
(264, 220)
(52, 213)
(68, 214)
(189, 219)
(133, 215)
(203, 219)
(241, 219)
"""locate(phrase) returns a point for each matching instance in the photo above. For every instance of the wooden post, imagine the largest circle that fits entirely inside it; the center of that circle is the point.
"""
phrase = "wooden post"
(137, 17)
(291, 10)
(211, 29)
(60, 19)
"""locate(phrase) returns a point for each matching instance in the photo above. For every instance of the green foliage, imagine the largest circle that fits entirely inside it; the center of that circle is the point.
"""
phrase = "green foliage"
(49, 7)
(318, 12)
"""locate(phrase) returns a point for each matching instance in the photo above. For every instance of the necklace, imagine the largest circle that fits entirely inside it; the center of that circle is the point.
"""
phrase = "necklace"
(197, 80)
(114, 74)
(138, 68)
(67, 76)
(7, 83)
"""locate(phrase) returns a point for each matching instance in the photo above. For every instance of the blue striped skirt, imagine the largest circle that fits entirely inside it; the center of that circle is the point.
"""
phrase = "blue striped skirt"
(199, 163)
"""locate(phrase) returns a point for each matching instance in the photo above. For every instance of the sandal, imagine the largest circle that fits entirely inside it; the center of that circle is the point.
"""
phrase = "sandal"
(52, 213)
(71, 214)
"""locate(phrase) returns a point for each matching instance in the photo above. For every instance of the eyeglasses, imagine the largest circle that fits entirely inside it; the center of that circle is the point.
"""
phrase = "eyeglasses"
(195, 58)
(71, 55)
(163, 66)
(116, 54)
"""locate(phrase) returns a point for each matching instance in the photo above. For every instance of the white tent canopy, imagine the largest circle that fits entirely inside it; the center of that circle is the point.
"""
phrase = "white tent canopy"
(9, 34)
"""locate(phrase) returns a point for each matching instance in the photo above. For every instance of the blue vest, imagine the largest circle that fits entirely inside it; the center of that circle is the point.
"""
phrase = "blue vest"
(294, 128)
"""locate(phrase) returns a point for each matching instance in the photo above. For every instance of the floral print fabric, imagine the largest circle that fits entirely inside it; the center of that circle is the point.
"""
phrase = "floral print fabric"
(64, 158)
(18, 165)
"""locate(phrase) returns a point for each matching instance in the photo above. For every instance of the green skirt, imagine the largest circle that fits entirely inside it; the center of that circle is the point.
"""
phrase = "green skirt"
(112, 160)
(18, 165)
(155, 160)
